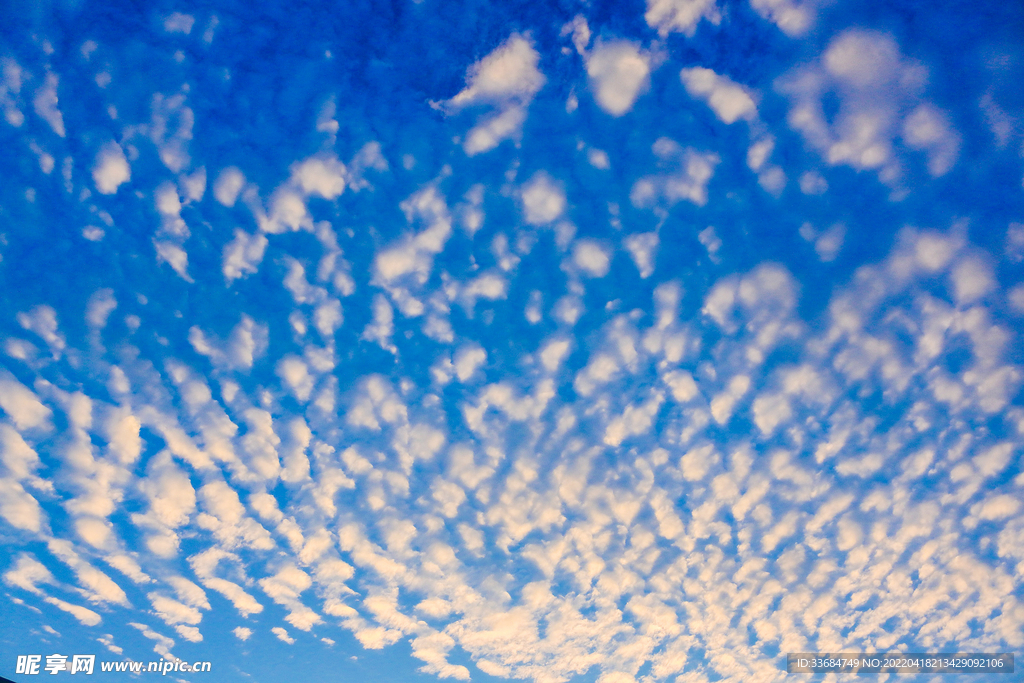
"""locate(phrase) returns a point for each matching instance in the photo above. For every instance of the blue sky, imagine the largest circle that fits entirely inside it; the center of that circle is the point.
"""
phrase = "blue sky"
(612, 342)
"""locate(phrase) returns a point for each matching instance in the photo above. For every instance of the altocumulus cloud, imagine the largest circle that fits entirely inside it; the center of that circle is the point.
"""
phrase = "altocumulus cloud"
(539, 366)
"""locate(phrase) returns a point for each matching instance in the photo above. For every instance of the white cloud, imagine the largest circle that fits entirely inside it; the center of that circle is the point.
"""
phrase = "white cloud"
(205, 565)
(21, 405)
(284, 588)
(729, 100)
(711, 241)
(1015, 297)
(323, 176)
(507, 80)
(997, 507)
(812, 182)
(598, 158)
(971, 279)
(634, 421)
(242, 633)
(1015, 242)
(468, 359)
(42, 320)
(98, 586)
(82, 614)
(27, 574)
(295, 375)
(724, 403)
(643, 248)
(554, 352)
(689, 179)
(163, 643)
(879, 94)
(111, 169)
(174, 256)
(492, 131)
(618, 73)
(680, 16)
(229, 183)
(247, 343)
(10, 87)
(793, 18)
(928, 129)
(828, 244)
(101, 304)
(591, 258)
(18, 458)
(242, 256)
(382, 327)
(170, 130)
(171, 503)
(405, 267)
(543, 199)
(45, 104)
(178, 22)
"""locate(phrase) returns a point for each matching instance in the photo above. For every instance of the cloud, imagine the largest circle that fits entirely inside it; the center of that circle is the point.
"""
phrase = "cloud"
(45, 104)
(507, 80)
(282, 635)
(382, 327)
(618, 73)
(18, 458)
(246, 344)
(688, 179)
(643, 248)
(111, 169)
(171, 503)
(20, 508)
(242, 256)
(101, 304)
(543, 199)
(229, 184)
(680, 16)
(42, 320)
(205, 565)
(793, 18)
(880, 103)
(27, 574)
(675, 486)
(98, 586)
(84, 615)
(405, 267)
(591, 258)
(178, 22)
(729, 100)
(468, 359)
(174, 256)
(170, 129)
(294, 373)
(22, 406)
(284, 588)
(163, 643)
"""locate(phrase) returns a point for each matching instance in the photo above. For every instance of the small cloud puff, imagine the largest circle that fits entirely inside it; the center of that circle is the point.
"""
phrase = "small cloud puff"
(506, 79)
(111, 169)
(729, 100)
(282, 635)
(543, 200)
(680, 16)
(688, 180)
(618, 73)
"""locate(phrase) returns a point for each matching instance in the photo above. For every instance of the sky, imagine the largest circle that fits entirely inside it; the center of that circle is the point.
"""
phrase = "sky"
(610, 342)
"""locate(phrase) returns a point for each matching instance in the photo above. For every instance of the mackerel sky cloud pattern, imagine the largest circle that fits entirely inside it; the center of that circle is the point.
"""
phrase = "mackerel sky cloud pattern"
(621, 342)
